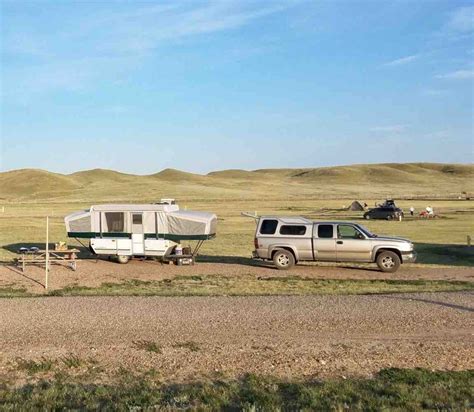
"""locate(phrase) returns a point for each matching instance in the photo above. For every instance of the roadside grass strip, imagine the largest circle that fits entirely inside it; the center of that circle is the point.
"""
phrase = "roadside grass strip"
(248, 285)
(390, 389)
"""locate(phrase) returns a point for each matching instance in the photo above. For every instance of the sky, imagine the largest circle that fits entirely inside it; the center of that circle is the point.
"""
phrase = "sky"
(210, 85)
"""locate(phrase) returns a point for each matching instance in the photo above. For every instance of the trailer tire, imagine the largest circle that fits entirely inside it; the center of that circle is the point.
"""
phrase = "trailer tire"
(283, 259)
(123, 259)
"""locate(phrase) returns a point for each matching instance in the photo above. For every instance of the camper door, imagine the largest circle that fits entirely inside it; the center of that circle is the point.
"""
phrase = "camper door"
(138, 234)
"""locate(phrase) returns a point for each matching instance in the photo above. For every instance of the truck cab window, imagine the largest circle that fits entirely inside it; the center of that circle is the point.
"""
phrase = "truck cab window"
(325, 231)
(348, 232)
(268, 227)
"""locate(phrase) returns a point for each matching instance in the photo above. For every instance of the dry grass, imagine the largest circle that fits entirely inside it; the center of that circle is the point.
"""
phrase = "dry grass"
(390, 389)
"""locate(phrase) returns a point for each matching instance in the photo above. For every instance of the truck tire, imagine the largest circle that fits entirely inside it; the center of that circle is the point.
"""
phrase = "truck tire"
(367, 216)
(123, 259)
(283, 259)
(388, 261)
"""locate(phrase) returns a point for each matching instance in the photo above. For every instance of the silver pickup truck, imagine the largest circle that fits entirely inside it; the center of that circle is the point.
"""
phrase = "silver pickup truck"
(289, 240)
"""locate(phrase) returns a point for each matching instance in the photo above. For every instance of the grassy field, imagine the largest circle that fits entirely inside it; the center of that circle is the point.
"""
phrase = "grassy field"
(390, 389)
(27, 196)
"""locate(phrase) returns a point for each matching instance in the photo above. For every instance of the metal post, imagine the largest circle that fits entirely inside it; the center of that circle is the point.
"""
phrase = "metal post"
(47, 253)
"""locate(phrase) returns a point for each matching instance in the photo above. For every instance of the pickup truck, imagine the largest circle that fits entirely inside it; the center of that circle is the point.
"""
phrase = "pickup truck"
(289, 240)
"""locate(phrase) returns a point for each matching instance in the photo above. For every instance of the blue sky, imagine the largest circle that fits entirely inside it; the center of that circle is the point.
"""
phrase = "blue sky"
(201, 86)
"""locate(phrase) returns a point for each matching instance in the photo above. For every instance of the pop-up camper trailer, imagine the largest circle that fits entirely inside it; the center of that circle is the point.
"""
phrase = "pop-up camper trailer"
(141, 230)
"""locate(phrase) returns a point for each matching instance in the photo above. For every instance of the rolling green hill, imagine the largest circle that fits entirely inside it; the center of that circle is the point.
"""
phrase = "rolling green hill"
(35, 183)
(377, 180)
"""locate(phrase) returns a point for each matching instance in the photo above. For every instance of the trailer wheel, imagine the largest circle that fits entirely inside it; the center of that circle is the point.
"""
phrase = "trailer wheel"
(283, 259)
(123, 259)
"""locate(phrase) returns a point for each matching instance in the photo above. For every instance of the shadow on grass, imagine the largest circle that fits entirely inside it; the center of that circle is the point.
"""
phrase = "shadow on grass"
(428, 253)
(229, 260)
(447, 254)
(84, 252)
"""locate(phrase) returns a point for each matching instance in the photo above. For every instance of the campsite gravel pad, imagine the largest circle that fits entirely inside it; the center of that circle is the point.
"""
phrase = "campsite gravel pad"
(299, 336)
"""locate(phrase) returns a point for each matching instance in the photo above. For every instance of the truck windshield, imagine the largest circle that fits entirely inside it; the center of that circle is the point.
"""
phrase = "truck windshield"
(366, 231)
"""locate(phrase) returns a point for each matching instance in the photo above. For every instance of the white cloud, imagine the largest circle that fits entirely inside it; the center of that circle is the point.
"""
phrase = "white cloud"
(438, 135)
(394, 128)
(113, 42)
(23, 85)
(402, 60)
(462, 20)
(144, 29)
(434, 92)
(457, 75)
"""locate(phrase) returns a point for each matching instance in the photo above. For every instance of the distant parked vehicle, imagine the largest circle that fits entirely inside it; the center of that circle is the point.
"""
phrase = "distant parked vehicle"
(384, 212)
(289, 240)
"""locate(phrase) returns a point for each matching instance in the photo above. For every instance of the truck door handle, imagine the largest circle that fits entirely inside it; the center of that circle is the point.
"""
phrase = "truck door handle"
(340, 242)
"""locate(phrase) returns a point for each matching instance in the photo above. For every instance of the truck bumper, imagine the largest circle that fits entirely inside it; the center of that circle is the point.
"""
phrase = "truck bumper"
(409, 257)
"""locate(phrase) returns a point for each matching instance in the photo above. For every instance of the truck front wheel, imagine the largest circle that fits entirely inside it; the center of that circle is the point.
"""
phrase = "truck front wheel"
(283, 259)
(388, 261)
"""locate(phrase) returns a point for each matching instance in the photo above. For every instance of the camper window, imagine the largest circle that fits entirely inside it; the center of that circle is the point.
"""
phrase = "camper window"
(268, 227)
(293, 230)
(137, 219)
(115, 222)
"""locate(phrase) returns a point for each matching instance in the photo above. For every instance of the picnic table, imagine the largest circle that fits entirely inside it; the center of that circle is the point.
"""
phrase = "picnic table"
(58, 257)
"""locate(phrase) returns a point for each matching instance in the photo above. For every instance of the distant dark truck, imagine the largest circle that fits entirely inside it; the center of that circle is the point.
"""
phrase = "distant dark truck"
(289, 240)
(386, 211)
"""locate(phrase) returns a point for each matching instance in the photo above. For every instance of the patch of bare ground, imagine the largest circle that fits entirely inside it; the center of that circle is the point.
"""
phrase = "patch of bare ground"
(92, 273)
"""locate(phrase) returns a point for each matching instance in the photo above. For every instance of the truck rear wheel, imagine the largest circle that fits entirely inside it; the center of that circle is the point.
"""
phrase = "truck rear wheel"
(123, 259)
(388, 261)
(283, 259)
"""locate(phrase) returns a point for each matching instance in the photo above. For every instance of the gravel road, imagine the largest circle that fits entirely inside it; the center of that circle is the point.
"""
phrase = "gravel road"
(287, 336)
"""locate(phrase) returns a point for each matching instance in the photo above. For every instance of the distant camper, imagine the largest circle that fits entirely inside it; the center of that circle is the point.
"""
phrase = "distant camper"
(126, 230)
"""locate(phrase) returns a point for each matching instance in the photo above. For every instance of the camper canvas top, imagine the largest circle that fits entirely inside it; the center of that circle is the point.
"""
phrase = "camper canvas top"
(152, 220)
(147, 207)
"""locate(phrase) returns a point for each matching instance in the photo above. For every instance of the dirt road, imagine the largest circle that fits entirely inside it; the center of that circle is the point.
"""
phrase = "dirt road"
(288, 336)
(93, 273)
